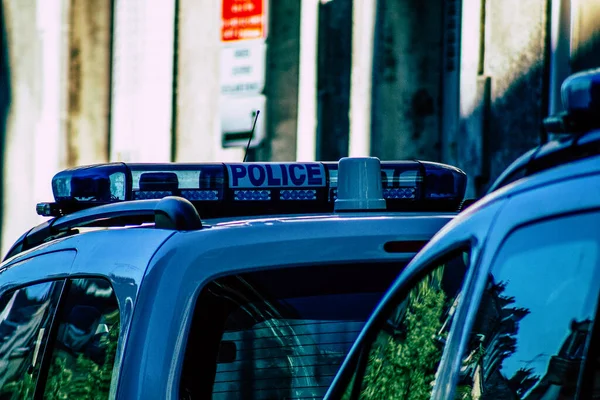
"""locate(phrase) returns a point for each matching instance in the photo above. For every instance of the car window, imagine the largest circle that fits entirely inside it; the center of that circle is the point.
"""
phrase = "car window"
(83, 353)
(401, 358)
(25, 319)
(280, 333)
(535, 316)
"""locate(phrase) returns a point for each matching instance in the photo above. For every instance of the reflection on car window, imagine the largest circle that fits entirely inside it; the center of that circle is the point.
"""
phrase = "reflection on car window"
(279, 334)
(83, 355)
(25, 318)
(405, 354)
(536, 313)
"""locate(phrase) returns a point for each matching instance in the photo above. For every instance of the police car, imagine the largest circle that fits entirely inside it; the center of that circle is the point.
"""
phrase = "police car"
(503, 302)
(237, 280)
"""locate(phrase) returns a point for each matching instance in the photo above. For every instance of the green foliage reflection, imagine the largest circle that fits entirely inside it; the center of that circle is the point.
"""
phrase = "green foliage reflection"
(83, 379)
(404, 357)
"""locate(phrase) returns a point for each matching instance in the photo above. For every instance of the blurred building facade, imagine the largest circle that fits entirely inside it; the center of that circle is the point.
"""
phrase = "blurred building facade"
(463, 82)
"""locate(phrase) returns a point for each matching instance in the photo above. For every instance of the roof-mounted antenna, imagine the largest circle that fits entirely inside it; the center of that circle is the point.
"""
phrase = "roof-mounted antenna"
(251, 135)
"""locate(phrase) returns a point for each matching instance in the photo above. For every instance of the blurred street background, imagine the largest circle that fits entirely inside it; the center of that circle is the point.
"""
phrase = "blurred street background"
(461, 82)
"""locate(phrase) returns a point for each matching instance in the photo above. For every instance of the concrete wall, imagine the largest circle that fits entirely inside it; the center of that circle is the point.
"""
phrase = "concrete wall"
(61, 82)
(585, 46)
(306, 141)
(89, 64)
(142, 80)
(504, 84)
(335, 60)
(59, 55)
(5, 96)
(364, 18)
(407, 80)
(281, 88)
(450, 96)
(198, 126)
(34, 144)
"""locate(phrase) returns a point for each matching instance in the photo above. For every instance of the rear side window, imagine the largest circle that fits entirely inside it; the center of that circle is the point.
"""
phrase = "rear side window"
(535, 317)
(279, 334)
(25, 319)
(83, 352)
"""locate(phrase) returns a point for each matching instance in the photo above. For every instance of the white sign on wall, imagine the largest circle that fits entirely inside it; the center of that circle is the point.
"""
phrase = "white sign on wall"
(237, 119)
(243, 68)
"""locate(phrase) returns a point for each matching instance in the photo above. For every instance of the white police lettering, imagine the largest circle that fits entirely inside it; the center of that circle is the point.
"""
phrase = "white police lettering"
(268, 175)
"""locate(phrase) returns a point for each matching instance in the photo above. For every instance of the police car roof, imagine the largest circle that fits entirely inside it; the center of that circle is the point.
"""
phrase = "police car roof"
(231, 245)
(172, 195)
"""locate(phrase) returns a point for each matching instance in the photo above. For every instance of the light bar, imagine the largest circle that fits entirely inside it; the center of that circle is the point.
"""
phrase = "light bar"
(253, 188)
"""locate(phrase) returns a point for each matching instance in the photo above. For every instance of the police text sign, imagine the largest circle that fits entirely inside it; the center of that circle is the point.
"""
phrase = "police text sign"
(269, 175)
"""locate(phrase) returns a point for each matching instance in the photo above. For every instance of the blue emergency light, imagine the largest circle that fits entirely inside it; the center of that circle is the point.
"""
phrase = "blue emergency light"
(251, 188)
(580, 93)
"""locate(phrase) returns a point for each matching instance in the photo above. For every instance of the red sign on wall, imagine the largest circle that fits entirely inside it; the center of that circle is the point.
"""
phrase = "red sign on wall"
(242, 20)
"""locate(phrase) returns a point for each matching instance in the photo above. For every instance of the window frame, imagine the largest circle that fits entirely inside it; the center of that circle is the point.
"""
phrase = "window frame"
(355, 364)
(40, 384)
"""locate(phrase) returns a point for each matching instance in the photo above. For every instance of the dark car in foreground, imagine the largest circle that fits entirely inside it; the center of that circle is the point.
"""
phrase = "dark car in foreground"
(503, 302)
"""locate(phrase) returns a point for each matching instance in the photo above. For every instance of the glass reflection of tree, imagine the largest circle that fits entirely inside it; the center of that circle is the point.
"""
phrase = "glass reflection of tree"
(403, 361)
(92, 381)
(496, 328)
(495, 340)
(88, 380)
(20, 389)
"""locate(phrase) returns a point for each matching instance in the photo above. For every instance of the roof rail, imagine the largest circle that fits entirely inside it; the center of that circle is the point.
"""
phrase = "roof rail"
(548, 156)
(516, 170)
(175, 213)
